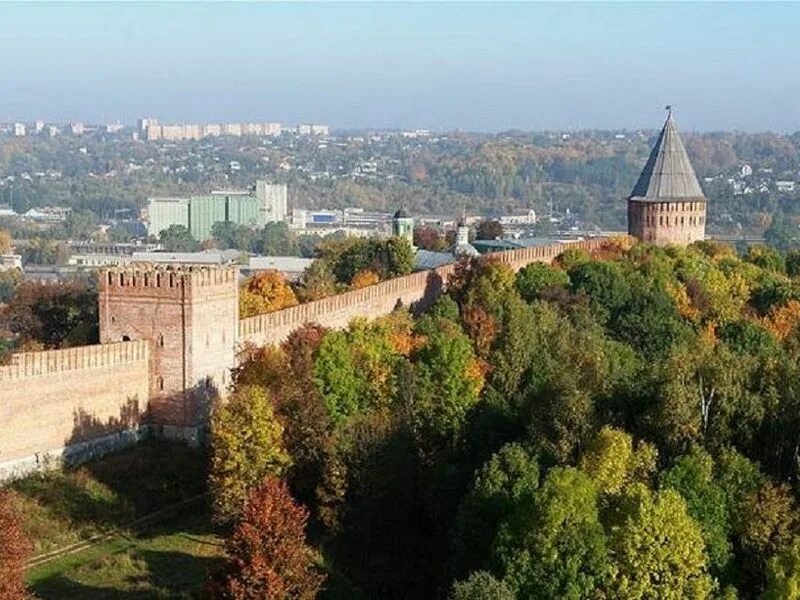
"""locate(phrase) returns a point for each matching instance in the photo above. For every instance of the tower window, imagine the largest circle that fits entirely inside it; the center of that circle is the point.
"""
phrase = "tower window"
(126, 338)
(160, 383)
(160, 340)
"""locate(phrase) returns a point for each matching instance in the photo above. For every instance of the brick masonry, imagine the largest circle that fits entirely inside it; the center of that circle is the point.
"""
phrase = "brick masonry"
(663, 223)
(169, 339)
(51, 401)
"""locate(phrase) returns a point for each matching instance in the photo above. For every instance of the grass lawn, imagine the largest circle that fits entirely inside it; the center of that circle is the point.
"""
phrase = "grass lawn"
(171, 560)
(165, 558)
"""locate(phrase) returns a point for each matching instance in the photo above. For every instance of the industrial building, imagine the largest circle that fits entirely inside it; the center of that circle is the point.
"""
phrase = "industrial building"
(267, 204)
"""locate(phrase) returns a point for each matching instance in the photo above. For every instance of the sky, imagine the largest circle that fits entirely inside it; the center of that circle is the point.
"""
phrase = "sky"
(478, 67)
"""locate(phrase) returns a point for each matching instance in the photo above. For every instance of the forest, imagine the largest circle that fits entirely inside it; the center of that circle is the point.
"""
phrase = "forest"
(621, 425)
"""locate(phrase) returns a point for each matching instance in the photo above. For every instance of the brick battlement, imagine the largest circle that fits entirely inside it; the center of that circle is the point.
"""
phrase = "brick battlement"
(27, 365)
(162, 277)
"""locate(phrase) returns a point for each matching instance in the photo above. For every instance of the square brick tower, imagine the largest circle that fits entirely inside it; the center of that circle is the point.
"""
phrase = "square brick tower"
(190, 316)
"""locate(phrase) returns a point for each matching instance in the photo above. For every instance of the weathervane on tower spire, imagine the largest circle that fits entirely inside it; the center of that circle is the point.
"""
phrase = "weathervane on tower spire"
(668, 108)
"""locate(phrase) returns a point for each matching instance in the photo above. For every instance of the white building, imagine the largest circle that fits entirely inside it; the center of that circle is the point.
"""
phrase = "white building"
(274, 199)
(19, 129)
(76, 128)
(521, 217)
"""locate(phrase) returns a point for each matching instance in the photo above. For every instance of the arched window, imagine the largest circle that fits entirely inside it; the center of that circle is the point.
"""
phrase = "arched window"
(160, 383)
(160, 340)
(126, 338)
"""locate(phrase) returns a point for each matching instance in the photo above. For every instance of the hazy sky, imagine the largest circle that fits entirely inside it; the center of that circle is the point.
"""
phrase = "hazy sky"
(484, 66)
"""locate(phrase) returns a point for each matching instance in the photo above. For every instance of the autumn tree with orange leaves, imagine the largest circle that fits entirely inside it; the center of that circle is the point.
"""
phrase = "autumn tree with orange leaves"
(14, 550)
(265, 292)
(269, 557)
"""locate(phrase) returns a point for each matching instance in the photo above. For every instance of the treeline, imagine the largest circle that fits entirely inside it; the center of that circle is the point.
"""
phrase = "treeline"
(622, 425)
(589, 173)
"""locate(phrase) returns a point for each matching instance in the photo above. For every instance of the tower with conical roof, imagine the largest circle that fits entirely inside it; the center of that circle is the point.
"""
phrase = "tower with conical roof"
(667, 204)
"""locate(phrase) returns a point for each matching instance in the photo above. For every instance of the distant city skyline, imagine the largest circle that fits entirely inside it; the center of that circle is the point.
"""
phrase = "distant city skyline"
(475, 67)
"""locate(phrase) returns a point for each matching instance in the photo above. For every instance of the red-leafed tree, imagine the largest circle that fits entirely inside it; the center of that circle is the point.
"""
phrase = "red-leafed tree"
(269, 557)
(14, 550)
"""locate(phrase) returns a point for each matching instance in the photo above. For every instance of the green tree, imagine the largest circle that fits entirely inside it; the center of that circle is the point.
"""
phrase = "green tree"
(657, 549)
(612, 463)
(232, 235)
(704, 396)
(604, 284)
(554, 546)
(246, 446)
(536, 277)
(508, 479)
(481, 586)
(489, 230)
(692, 476)
(276, 239)
(399, 257)
(445, 385)
(783, 574)
(766, 258)
(650, 323)
(793, 263)
(316, 282)
(176, 238)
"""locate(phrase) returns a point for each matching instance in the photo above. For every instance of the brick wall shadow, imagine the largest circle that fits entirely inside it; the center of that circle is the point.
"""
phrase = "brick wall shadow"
(434, 286)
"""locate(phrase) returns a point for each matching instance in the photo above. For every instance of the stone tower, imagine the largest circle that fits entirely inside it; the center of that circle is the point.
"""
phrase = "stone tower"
(403, 226)
(190, 317)
(667, 205)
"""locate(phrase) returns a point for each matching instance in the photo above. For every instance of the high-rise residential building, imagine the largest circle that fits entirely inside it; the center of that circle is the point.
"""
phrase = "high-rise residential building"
(114, 127)
(52, 130)
(232, 129)
(192, 132)
(312, 130)
(212, 130)
(271, 129)
(76, 128)
(143, 123)
(38, 126)
(153, 131)
(171, 132)
(18, 129)
(252, 129)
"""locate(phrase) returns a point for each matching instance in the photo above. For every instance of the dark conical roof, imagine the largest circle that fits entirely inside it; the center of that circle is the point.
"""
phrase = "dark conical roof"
(401, 214)
(668, 174)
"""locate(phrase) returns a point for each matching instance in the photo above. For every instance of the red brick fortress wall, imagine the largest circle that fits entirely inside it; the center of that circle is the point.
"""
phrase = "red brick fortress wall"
(380, 299)
(70, 403)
